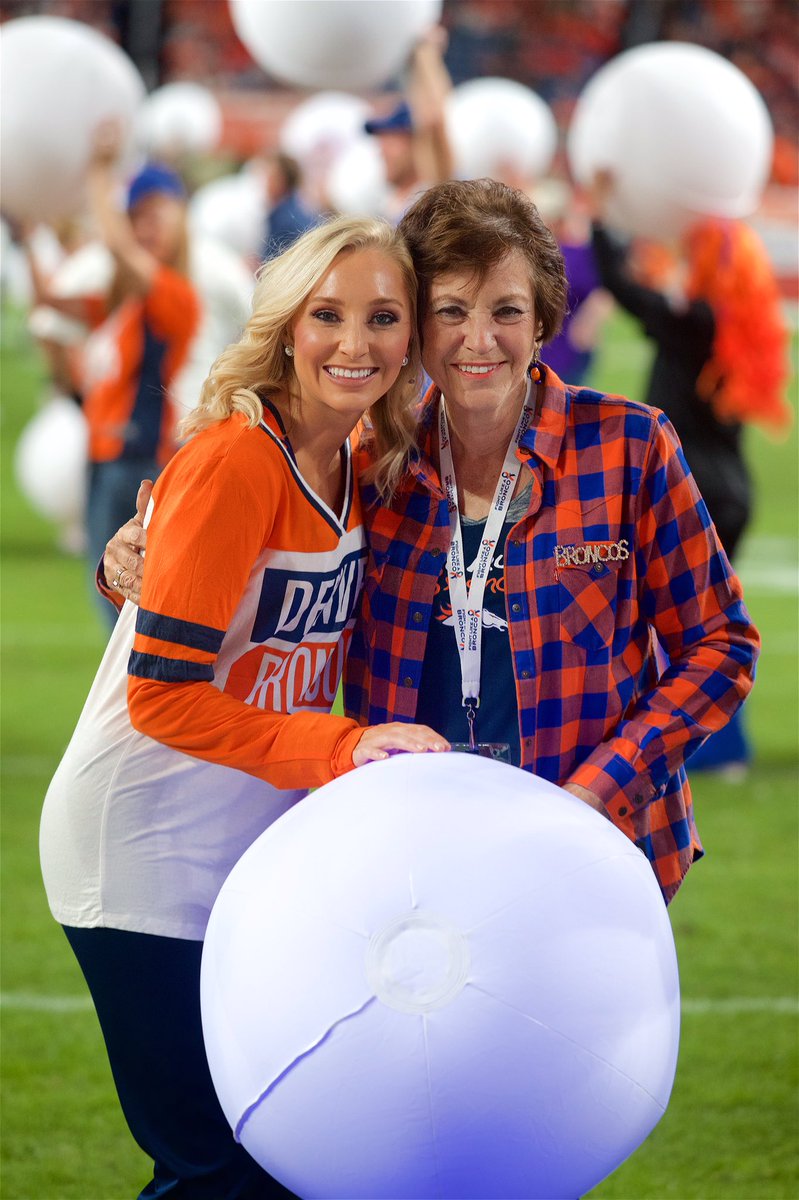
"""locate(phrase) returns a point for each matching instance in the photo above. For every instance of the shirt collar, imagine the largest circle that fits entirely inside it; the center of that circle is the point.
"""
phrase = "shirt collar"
(542, 440)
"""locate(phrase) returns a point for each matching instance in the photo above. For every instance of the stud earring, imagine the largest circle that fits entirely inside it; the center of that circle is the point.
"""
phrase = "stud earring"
(288, 351)
(405, 361)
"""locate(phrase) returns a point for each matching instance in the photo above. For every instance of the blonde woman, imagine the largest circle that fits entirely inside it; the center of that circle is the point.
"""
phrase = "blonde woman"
(211, 706)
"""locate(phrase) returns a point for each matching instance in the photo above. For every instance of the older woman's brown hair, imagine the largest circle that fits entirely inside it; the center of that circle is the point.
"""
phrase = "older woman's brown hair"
(471, 225)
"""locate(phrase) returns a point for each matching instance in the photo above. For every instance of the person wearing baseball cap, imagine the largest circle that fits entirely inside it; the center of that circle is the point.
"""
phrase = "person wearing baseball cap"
(131, 358)
(412, 136)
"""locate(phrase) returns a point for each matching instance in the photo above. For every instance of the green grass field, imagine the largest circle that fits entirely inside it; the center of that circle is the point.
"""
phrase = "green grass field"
(732, 1128)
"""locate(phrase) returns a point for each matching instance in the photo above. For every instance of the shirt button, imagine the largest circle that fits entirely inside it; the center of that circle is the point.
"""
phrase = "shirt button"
(622, 811)
(436, 553)
(417, 618)
(407, 681)
(528, 741)
(638, 797)
(525, 674)
(516, 608)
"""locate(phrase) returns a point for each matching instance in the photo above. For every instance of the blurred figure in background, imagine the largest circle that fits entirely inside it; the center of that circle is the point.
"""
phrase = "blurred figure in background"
(589, 305)
(721, 363)
(131, 359)
(62, 313)
(413, 137)
(289, 213)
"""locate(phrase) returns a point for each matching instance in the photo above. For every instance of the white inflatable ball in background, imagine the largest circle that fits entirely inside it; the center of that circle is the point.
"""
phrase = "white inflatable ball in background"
(356, 181)
(347, 44)
(225, 285)
(179, 118)
(50, 461)
(232, 210)
(60, 79)
(497, 124)
(86, 272)
(439, 976)
(15, 273)
(682, 131)
(321, 127)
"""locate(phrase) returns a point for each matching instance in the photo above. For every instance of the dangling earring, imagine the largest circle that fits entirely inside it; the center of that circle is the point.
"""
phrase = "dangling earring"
(405, 361)
(288, 351)
(535, 370)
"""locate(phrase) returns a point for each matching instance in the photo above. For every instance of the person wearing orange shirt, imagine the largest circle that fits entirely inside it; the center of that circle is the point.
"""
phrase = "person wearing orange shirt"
(210, 712)
(131, 359)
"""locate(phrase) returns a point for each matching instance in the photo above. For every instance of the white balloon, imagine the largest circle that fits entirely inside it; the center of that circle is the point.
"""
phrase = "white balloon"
(683, 132)
(179, 118)
(231, 209)
(439, 976)
(50, 461)
(347, 44)
(225, 285)
(321, 127)
(356, 182)
(496, 123)
(60, 78)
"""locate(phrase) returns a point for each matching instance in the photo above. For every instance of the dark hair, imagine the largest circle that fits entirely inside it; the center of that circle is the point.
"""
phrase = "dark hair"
(289, 169)
(471, 225)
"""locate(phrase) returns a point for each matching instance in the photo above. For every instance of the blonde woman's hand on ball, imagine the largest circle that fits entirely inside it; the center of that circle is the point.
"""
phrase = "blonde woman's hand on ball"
(378, 740)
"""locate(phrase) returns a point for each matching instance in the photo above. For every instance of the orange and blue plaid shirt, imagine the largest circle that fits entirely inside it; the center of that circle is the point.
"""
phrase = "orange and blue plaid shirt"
(629, 636)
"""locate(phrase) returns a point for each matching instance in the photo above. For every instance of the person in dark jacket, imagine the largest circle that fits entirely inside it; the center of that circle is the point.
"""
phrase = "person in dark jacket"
(713, 313)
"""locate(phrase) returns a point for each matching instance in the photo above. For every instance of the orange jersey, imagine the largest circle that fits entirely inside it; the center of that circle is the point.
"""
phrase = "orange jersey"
(250, 589)
(128, 365)
(249, 594)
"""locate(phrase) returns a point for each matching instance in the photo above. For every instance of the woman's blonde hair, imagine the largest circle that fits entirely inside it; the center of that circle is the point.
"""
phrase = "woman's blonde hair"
(257, 366)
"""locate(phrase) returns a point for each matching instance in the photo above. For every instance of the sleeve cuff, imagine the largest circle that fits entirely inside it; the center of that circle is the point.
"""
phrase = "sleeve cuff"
(611, 777)
(341, 759)
(104, 589)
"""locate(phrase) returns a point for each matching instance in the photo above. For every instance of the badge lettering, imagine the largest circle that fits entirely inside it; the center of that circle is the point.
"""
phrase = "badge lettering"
(591, 553)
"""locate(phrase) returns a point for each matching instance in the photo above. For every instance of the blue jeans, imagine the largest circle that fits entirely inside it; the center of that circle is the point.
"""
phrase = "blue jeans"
(110, 502)
(146, 991)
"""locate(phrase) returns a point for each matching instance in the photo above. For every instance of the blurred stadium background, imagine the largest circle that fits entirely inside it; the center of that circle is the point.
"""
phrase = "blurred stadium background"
(732, 1129)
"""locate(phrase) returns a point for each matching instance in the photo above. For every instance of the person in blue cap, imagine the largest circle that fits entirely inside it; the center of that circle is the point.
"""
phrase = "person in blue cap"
(413, 136)
(152, 314)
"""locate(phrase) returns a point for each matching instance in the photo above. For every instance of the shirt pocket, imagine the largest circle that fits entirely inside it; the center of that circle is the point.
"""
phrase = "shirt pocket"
(588, 603)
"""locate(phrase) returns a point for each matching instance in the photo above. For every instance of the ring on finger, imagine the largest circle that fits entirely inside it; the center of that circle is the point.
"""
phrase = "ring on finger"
(117, 580)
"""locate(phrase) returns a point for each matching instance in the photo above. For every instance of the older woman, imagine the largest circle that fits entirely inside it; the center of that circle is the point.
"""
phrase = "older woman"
(543, 543)
(544, 578)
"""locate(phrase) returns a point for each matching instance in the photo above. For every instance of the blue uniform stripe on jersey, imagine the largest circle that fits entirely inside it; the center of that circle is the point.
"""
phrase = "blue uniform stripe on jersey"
(168, 670)
(182, 633)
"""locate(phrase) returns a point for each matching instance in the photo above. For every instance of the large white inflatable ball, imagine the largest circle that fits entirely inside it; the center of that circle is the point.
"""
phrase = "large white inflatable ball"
(498, 124)
(439, 976)
(352, 44)
(356, 181)
(232, 210)
(225, 284)
(179, 118)
(60, 79)
(682, 131)
(50, 461)
(321, 127)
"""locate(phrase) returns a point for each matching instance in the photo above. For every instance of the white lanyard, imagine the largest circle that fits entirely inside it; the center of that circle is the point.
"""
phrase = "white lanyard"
(467, 602)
